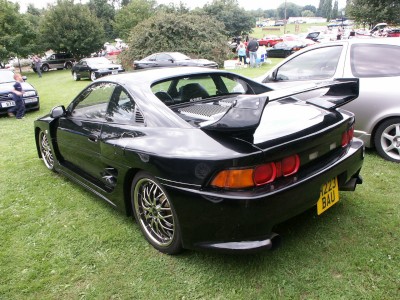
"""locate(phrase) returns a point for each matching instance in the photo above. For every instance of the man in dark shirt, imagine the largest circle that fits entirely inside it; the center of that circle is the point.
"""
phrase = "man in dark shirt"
(253, 47)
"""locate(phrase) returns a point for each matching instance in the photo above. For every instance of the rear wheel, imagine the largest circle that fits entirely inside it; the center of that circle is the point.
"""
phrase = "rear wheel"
(45, 150)
(155, 214)
(45, 68)
(75, 76)
(387, 140)
(68, 65)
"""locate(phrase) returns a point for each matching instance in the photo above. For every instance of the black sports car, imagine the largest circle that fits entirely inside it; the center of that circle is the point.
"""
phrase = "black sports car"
(284, 49)
(7, 81)
(172, 59)
(205, 158)
(95, 67)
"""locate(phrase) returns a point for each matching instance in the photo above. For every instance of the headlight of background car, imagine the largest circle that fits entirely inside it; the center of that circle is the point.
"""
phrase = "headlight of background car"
(29, 94)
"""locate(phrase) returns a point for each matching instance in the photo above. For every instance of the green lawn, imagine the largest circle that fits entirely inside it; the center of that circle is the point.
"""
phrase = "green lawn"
(59, 241)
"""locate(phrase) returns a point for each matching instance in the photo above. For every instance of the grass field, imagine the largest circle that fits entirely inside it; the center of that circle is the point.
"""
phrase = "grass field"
(59, 241)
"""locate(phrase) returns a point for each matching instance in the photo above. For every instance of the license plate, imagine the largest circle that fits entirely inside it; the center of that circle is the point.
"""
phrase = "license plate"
(30, 100)
(7, 104)
(328, 196)
(114, 72)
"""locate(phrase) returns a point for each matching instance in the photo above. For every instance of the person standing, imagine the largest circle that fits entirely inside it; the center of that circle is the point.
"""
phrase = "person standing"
(252, 47)
(19, 109)
(38, 64)
(241, 50)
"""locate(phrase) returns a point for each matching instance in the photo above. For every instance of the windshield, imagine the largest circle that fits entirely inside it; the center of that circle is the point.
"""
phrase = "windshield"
(6, 76)
(99, 60)
(179, 56)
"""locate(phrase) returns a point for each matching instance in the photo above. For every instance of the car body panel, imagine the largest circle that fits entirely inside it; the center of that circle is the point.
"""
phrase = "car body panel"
(103, 153)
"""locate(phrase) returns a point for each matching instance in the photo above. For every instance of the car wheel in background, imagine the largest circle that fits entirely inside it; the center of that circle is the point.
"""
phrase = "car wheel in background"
(155, 214)
(387, 139)
(92, 76)
(45, 150)
(45, 68)
(68, 65)
(75, 76)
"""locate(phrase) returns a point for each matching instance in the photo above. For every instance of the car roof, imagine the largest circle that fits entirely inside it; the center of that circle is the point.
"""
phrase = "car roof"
(149, 76)
(367, 40)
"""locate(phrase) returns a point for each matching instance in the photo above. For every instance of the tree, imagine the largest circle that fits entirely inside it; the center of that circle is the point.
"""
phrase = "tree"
(292, 10)
(335, 10)
(71, 28)
(105, 12)
(16, 36)
(371, 12)
(132, 14)
(307, 14)
(311, 8)
(327, 9)
(192, 34)
(237, 20)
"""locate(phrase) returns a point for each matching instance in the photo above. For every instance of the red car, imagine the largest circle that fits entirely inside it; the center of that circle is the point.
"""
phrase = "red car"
(269, 40)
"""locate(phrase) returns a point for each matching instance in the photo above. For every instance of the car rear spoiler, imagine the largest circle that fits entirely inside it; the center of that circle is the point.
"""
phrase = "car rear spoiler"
(244, 116)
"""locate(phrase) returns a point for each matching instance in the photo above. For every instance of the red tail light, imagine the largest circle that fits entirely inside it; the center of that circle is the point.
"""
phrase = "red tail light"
(258, 175)
(347, 136)
(264, 174)
(290, 165)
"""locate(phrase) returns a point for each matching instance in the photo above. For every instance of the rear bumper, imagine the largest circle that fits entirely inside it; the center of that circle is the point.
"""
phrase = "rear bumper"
(244, 222)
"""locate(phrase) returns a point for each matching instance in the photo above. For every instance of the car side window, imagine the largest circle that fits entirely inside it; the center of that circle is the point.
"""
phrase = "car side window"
(315, 64)
(92, 103)
(122, 108)
(370, 60)
(163, 57)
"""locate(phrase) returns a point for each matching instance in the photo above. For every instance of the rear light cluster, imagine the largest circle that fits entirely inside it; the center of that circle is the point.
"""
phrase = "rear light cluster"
(257, 175)
(347, 136)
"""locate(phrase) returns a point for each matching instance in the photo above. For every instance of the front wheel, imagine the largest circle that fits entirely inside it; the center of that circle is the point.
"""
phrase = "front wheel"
(92, 76)
(155, 214)
(387, 140)
(45, 150)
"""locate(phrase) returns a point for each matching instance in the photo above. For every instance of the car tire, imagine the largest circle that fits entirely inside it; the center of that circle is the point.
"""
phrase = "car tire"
(93, 76)
(155, 214)
(75, 76)
(387, 139)
(68, 65)
(45, 68)
(45, 150)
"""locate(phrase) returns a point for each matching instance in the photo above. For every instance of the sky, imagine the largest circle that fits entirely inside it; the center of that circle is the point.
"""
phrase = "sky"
(246, 4)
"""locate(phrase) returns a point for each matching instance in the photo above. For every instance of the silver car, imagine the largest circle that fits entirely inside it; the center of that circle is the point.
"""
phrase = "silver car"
(375, 61)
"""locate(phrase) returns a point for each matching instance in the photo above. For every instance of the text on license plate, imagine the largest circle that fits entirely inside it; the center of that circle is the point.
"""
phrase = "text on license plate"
(328, 196)
(7, 104)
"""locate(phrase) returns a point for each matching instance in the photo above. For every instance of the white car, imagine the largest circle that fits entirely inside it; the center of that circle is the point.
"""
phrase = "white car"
(375, 61)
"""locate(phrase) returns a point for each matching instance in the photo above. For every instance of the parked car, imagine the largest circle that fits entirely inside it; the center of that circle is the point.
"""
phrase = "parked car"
(172, 59)
(95, 67)
(375, 62)
(30, 96)
(57, 61)
(269, 40)
(284, 49)
(204, 158)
